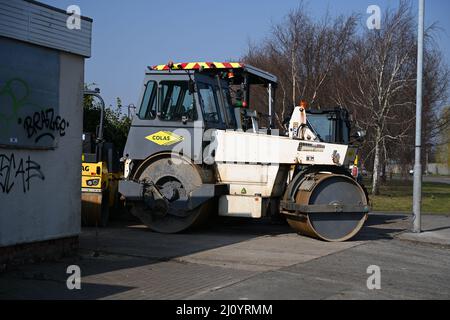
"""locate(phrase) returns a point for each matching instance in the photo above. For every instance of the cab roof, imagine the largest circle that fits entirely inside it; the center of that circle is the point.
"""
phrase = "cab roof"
(256, 76)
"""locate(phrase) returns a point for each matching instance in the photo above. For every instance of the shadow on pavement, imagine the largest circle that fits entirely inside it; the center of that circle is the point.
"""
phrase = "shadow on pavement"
(110, 257)
(437, 229)
(383, 227)
(127, 250)
(132, 239)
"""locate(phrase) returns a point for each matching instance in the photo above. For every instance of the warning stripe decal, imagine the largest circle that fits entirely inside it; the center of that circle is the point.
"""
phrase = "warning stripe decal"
(199, 65)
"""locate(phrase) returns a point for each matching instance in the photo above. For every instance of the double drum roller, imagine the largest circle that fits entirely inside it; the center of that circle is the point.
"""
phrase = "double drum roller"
(228, 164)
(328, 206)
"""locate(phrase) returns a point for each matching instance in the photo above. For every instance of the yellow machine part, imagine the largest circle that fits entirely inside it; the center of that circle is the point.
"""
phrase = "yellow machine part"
(94, 176)
(98, 193)
(93, 209)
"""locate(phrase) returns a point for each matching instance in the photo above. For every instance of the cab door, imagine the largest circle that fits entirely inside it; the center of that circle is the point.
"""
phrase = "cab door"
(169, 119)
(210, 100)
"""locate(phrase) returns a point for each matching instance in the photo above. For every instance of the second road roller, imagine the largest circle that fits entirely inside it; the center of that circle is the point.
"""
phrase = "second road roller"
(203, 142)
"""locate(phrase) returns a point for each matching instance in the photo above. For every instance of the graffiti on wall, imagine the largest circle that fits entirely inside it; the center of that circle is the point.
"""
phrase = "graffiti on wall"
(39, 125)
(27, 90)
(18, 173)
(44, 124)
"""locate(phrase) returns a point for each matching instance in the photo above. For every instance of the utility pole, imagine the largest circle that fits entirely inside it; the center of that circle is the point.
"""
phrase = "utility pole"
(417, 197)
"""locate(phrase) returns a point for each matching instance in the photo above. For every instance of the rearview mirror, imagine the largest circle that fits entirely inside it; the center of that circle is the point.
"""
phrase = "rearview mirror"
(360, 135)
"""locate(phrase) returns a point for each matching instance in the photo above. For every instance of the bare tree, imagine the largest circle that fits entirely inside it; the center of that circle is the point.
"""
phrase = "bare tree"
(304, 55)
(381, 74)
(370, 72)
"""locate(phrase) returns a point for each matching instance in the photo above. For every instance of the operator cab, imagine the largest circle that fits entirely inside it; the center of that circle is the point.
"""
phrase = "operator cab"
(180, 102)
(216, 93)
(331, 125)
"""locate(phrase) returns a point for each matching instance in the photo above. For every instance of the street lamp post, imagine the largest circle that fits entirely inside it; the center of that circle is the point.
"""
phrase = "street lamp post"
(417, 196)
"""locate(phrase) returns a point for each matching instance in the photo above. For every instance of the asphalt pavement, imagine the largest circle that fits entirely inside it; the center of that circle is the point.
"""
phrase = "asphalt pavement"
(437, 179)
(241, 260)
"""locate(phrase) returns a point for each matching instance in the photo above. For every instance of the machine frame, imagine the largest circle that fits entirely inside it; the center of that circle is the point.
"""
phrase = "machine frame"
(245, 172)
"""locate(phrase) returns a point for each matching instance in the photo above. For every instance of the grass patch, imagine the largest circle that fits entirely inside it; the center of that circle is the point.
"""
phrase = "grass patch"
(397, 196)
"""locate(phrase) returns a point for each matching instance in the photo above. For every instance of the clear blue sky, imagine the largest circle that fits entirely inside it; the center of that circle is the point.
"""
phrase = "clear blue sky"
(130, 35)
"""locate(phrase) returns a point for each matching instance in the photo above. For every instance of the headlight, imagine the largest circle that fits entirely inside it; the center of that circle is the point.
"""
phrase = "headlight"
(93, 183)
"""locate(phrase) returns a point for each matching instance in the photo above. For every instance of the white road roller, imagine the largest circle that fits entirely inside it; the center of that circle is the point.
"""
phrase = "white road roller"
(197, 147)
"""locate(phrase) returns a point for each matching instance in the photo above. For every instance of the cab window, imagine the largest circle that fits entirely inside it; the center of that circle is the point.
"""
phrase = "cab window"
(209, 103)
(176, 101)
(229, 109)
(148, 106)
(323, 126)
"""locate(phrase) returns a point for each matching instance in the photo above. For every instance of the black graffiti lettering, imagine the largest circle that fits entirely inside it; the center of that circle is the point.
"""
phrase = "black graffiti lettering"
(28, 125)
(23, 173)
(37, 121)
(45, 119)
(50, 115)
(33, 171)
(44, 124)
(62, 128)
(5, 173)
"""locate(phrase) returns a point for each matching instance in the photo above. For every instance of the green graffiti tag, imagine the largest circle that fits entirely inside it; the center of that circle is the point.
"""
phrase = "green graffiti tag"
(17, 92)
(37, 122)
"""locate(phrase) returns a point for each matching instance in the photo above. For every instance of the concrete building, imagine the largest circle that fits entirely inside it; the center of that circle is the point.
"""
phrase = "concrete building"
(42, 53)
